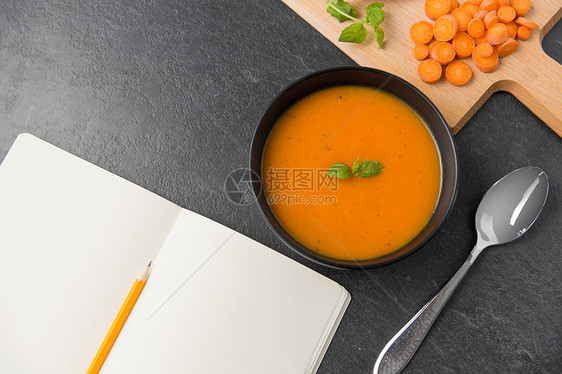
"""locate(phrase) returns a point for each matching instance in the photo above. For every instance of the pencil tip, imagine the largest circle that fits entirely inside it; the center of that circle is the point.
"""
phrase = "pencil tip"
(150, 263)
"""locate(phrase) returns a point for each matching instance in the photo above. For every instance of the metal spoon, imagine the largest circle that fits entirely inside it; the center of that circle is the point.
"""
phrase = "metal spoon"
(505, 213)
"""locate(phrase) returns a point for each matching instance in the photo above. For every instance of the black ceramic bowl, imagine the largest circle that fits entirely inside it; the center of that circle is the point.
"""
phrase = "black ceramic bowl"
(397, 87)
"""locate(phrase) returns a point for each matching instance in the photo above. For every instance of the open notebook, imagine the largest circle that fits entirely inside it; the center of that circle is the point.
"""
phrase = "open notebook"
(73, 237)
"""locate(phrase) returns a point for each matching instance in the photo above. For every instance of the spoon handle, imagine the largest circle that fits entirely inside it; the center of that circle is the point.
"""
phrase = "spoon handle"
(402, 347)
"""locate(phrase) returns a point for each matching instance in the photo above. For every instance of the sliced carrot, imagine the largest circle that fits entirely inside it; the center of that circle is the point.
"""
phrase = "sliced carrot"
(491, 19)
(463, 44)
(482, 39)
(463, 18)
(484, 49)
(503, 2)
(458, 73)
(521, 21)
(432, 45)
(523, 33)
(443, 53)
(454, 5)
(480, 14)
(430, 71)
(511, 29)
(486, 64)
(421, 51)
(497, 34)
(445, 28)
(472, 9)
(476, 28)
(490, 5)
(507, 48)
(521, 6)
(506, 14)
(421, 32)
(476, 2)
(437, 8)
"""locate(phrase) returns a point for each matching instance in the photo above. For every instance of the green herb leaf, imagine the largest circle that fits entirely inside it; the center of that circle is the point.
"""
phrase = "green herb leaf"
(374, 14)
(379, 36)
(369, 168)
(355, 33)
(339, 170)
(344, 6)
(355, 166)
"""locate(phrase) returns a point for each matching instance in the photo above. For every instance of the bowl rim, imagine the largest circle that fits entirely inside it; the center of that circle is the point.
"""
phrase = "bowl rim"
(319, 258)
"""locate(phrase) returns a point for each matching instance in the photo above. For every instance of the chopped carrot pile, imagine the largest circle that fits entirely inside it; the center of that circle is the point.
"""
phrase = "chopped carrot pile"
(485, 30)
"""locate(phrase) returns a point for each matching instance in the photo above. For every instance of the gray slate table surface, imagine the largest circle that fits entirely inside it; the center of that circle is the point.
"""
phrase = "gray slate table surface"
(168, 93)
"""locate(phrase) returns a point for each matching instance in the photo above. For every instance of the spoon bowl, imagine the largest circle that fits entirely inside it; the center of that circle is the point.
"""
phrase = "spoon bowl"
(507, 210)
(511, 206)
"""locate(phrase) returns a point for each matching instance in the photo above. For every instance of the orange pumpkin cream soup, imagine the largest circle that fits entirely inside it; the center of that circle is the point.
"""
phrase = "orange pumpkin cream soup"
(357, 218)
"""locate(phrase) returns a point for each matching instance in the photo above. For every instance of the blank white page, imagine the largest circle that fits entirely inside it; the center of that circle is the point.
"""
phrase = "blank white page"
(73, 238)
(219, 302)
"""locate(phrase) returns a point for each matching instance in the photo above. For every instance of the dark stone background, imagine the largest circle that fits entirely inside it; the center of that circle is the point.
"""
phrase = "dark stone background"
(167, 94)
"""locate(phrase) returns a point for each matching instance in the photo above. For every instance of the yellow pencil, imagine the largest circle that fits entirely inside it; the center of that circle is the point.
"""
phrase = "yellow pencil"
(119, 321)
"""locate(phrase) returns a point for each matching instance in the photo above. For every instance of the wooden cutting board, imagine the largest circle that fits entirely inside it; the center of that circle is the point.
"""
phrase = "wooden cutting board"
(529, 74)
